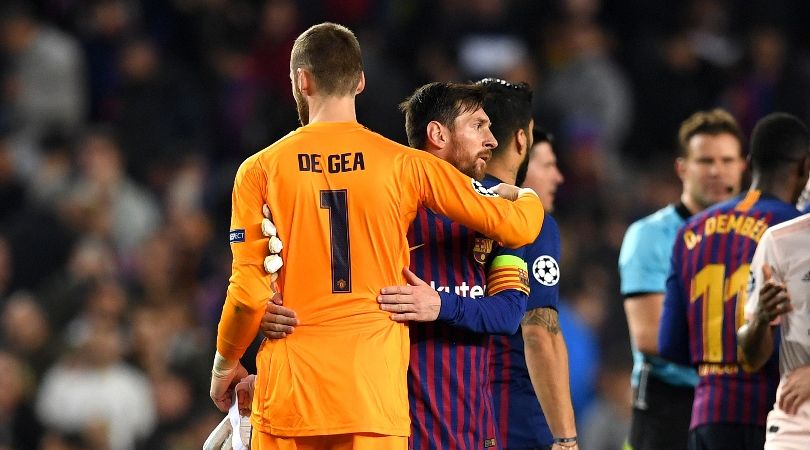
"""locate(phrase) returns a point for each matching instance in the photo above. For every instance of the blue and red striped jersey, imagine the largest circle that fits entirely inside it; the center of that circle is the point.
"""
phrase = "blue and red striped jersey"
(521, 422)
(448, 376)
(703, 308)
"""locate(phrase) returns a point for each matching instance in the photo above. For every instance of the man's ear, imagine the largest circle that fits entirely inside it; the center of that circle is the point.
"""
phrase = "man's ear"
(361, 84)
(680, 167)
(436, 134)
(304, 81)
(521, 142)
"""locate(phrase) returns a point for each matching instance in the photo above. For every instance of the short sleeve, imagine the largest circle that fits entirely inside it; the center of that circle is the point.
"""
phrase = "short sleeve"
(644, 260)
(544, 267)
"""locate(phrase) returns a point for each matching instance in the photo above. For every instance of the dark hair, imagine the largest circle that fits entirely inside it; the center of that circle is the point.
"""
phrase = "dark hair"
(509, 107)
(439, 101)
(540, 135)
(714, 122)
(778, 140)
(331, 53)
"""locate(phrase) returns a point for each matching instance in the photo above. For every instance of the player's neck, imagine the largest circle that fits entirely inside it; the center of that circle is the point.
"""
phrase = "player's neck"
(780, 186)
(504, 163)
(332, 109)
(690, 204)
(500, 170)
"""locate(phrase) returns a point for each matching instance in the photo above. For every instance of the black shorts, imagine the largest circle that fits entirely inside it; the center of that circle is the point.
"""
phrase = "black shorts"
(727, 436)
(661, 415)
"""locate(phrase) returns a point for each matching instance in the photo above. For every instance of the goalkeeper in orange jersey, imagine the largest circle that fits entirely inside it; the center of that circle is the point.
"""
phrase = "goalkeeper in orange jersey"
(342, 198)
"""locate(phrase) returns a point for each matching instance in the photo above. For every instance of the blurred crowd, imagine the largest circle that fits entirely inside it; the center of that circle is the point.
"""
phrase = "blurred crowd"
(122, 123)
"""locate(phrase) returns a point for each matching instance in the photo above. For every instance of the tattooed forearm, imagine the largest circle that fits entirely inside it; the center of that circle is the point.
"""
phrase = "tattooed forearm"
(545, 317)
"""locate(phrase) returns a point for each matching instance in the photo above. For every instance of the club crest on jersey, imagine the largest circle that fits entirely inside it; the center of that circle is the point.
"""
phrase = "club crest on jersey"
(482, 248)
(523, 275)
(546, 270)
(481, 190)
(236, 236)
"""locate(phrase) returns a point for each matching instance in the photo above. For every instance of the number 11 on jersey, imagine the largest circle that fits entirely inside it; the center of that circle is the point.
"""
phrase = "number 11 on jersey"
(711, 284)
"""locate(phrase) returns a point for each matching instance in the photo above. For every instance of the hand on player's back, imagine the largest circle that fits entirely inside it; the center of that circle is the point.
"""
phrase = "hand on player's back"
(277, 321)
(415, 301)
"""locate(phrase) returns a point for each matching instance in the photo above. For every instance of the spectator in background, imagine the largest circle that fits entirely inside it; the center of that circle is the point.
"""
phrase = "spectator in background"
(588, 94)
(710, 167)
(62, 293)
(37, 240)
(771, 81)
(91, 391)
(104, 304)
(19, 427)
(26, 333)
(104, 28)
(45, 83)
(104, 201)
(160, 115)
(53, 176)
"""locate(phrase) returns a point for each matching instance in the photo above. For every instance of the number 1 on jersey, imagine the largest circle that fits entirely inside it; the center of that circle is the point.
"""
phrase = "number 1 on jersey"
(337, 204)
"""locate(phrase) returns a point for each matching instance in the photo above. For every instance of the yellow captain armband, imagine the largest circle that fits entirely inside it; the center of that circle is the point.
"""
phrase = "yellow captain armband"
(507, 272)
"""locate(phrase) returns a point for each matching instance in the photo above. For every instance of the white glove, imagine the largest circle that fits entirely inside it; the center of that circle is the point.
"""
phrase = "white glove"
(240, 440)
(223, 436)
(274, 245)
(273, 262)
(220, 438)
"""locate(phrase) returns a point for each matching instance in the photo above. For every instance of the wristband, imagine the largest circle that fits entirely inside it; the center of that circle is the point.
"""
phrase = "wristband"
(565, 440)
(222, 367)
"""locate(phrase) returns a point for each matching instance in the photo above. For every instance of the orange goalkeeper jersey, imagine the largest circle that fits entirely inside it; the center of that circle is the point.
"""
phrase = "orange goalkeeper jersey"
(342, 198)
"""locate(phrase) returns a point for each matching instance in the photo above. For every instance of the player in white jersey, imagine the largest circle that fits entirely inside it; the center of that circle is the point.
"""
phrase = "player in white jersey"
(779, 295)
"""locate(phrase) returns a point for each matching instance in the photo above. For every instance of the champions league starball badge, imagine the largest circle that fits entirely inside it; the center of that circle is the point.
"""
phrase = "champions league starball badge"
(546, 270)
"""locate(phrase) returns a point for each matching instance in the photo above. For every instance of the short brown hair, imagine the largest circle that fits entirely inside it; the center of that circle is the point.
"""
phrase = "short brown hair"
(331, 53)
(714, 122)
(439, 101)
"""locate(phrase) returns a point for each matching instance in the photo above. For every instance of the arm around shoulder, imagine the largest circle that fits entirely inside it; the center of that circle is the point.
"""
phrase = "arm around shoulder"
(443, 188)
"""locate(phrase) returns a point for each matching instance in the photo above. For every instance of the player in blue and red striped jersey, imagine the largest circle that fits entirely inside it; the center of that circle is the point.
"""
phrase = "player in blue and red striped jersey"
(520, 421)
(707, 285)
(451, 402)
